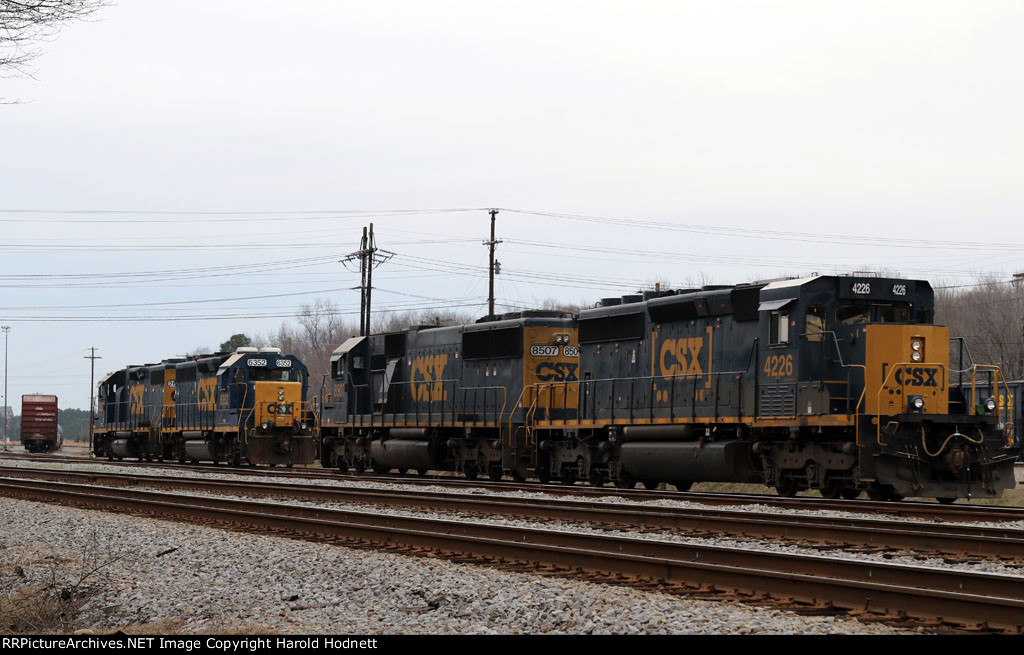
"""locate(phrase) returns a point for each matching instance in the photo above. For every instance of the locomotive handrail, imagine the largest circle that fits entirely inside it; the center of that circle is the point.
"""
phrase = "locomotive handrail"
(456, 389)
(998, 375)
(835, 340)
(584, 385)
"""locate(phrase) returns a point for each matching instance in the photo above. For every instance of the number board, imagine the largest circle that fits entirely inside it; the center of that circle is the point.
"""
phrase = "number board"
(284, 363)
(255, 363)
(879, 289)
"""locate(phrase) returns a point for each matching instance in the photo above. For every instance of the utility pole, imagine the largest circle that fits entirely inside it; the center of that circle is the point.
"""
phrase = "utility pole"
(92, 391)
(362, 284)
(495, 266)
(7, 441)
(370, 257)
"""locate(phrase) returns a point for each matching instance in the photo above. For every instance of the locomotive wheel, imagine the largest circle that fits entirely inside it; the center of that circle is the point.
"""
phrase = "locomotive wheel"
(470, 471)
(568, 476)
(832, 489)
(358, 466)
(787, 487)
(518, 477)
(946, 501)
(650, 485)
(596, 478)
(494, 474)
(850, 493)
(543, 475)
(378, 469)
(683, 486)
(625, 480)
(342, 466)
(421, 472)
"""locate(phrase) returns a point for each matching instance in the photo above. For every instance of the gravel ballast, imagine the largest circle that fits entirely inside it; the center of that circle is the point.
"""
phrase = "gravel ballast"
(221, 581)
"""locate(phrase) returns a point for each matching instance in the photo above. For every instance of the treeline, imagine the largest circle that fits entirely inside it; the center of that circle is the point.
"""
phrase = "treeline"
(74, 422)
(320, 327)
(989, 315)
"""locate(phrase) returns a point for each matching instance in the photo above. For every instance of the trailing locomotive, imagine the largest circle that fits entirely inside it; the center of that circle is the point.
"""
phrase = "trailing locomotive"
(243, 407)
(837, 383)
(40, 430)
(452, 398)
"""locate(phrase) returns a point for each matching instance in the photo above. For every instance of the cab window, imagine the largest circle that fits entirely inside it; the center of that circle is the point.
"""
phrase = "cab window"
(778, 330)
(853, 314)
(893, 314)
(275, 375)
(814, 324)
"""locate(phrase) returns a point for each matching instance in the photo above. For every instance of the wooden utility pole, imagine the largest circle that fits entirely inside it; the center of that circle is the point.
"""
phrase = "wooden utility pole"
(92, 392)
(370, 257)
(492, 244)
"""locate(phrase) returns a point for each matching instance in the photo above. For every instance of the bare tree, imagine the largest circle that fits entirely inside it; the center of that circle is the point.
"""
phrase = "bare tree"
(26, 23)
(989, 315)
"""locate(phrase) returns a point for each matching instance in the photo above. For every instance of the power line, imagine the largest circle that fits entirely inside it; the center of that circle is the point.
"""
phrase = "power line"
(251, 216)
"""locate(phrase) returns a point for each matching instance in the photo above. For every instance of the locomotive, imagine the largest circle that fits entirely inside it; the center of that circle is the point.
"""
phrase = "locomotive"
(840, 384)
(247, 406)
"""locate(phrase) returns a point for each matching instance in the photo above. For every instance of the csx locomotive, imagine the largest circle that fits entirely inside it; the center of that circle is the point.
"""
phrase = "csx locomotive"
(835, 383)
(248, 406)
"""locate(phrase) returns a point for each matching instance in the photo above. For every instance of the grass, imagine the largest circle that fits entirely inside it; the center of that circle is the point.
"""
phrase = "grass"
(45, 594)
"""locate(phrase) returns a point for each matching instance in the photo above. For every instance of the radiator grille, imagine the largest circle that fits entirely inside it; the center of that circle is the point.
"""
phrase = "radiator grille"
(777, 400)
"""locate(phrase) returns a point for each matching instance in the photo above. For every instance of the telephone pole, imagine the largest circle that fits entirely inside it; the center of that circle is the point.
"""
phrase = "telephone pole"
(495, 266)
(92, 391)
(370, 257)
(7, 441)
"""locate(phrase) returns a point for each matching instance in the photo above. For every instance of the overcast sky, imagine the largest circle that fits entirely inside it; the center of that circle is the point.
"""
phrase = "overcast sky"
(247, 143)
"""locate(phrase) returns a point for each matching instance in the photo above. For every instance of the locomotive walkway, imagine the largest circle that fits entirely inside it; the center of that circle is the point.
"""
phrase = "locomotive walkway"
(919, 538)
(936, 596)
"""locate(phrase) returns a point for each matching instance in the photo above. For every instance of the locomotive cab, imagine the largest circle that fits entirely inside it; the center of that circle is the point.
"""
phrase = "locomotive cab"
(261, 409)
(858, 355)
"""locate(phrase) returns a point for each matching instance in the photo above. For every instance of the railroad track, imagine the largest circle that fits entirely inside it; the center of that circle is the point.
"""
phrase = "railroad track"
(960, 541)
(929, 511)
(936, 597)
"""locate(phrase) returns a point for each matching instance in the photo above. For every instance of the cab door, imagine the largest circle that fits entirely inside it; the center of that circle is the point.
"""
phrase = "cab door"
(777, 365)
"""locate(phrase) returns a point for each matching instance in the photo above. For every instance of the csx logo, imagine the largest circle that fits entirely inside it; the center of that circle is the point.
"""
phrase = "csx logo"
(558, 372)
(206, 393)
(681, 356)
(280, 410)
(916, 377)
(431, 370)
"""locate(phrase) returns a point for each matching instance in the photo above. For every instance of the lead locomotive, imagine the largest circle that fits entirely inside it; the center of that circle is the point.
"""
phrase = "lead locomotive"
(835, 383)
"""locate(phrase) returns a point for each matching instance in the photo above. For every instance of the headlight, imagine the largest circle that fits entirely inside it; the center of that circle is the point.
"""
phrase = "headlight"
(917, 403)
(264, 425)
(916, 355)
(990, 405)
(916, 345)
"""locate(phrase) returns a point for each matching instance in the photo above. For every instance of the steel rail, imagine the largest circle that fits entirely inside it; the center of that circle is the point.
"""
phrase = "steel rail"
(905, 509)
(914, 536)
(955, 597)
